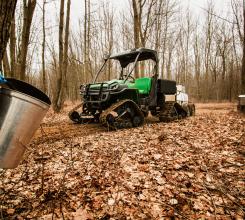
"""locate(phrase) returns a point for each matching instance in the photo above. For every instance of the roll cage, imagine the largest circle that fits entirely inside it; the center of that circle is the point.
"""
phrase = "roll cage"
(128, 57)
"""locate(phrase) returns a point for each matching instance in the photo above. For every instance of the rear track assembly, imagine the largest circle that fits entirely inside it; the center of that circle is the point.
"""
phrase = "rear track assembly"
(166, 114)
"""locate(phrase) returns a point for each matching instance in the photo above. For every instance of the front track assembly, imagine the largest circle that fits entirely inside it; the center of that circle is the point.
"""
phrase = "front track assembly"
(120, 115)
(85, 117)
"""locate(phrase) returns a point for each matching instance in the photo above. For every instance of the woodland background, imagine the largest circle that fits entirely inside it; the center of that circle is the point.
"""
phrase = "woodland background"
(203, 51)
(187, 169)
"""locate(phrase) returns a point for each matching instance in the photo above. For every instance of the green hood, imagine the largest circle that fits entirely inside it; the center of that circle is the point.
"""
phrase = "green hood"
(113, 82)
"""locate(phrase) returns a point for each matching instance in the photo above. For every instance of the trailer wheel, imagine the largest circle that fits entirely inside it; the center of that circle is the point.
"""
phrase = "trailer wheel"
(183, 115)
(193, 110)
(187, 109)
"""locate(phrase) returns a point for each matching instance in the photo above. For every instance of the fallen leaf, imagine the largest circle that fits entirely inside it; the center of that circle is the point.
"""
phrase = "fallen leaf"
(198, 206)
(240, 157)
(111, 202)
(173, 201)
(10, 211)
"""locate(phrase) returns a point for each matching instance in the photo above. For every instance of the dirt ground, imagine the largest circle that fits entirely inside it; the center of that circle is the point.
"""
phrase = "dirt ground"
(59, 126)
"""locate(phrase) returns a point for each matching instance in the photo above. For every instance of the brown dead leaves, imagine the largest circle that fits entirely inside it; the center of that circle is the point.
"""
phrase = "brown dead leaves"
(190, 169)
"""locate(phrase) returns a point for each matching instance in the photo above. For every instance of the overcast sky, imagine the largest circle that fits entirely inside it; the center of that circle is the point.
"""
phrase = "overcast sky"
(77, 7)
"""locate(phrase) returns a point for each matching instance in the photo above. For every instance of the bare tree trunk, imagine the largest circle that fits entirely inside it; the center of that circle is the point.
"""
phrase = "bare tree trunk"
(12, 48)
(139, 32)
(28, 14)
(64, 80)
(207, 56)
(144, 33)
(136, 35)
(88, 44)
(7, 9)
(164, 45)
(56, 107)
(243, 57)
(43, 51)
(110, 39)
(85, 45)
(6, 66)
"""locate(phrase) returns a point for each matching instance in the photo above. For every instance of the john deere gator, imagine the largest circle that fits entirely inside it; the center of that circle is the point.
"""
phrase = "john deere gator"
(126, 101)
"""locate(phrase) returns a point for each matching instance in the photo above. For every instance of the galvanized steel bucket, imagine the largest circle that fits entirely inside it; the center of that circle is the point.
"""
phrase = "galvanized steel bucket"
(20, 117)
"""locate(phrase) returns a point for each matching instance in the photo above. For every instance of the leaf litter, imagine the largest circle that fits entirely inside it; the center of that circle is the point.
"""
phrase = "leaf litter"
(189, 169)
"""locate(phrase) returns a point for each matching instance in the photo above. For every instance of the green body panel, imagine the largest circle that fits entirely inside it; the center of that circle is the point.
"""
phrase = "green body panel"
(129, 94)
(143, 85)
(129, 82)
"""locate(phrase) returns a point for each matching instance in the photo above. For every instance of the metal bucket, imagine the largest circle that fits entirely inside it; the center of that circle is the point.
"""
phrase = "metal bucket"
(20, 117)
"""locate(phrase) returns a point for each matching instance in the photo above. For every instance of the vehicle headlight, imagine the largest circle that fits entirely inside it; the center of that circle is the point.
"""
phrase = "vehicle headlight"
(114, 87)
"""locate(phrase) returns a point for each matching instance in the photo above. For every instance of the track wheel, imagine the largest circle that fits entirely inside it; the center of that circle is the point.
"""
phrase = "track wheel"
(183, 115)
(117, 125)
(153, 112)
(137, 121)
(161, 119)
(123, 125)
(179, 117)
(86, 120)
(129, 125)
(97, 117)
(110, 119)
(75, 115)
(145, 113)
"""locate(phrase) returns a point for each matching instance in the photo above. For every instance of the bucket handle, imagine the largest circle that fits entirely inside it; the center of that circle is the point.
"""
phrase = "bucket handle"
(2, 80)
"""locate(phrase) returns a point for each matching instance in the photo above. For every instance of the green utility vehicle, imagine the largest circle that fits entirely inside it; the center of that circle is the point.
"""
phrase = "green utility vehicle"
(125, 102)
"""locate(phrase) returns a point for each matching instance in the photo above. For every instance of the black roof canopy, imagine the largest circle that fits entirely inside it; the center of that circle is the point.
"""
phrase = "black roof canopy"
(129, 56)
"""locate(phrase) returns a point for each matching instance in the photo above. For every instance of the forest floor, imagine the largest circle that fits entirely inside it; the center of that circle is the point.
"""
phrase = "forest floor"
(188, 169)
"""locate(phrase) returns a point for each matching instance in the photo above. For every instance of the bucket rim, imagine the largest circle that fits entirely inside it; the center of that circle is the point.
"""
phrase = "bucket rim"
(18, 94)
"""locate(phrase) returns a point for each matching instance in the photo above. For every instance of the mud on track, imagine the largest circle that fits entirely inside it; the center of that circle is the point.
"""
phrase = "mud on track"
(59, 126)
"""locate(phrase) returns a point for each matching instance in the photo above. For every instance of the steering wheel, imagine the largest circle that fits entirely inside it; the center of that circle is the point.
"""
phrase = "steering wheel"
(128, 77)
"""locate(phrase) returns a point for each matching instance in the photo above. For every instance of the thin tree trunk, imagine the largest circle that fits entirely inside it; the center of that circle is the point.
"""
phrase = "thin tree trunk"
(136, 35)
(12, 48)
(243, 58)
(7, 9)
(43, 51)
(28, 14)
(56, 107)
(64, 80)
(88, 44)
(6, 66)
(110, 38)
(85, 45)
